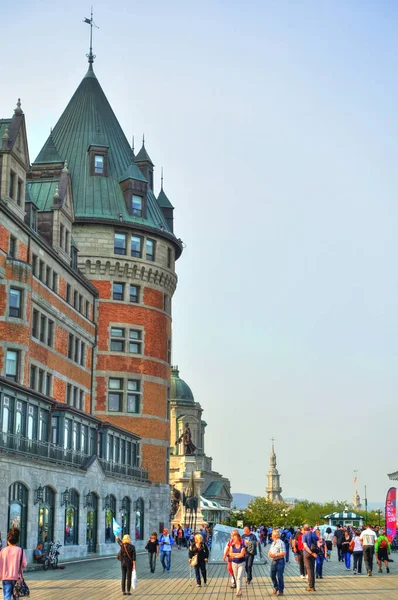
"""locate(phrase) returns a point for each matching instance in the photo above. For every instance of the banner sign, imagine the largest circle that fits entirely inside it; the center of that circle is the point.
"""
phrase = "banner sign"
(391, 513)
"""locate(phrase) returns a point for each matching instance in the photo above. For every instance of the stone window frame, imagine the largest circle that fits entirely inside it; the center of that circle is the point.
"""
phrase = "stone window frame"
(47, 379)
(126, 339)
(21, 310)
(124, 392)
(47, 336)
(11, 184)
(94, 151)
(13, 247)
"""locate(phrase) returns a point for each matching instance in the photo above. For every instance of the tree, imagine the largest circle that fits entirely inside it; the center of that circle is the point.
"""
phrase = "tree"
(262, 511)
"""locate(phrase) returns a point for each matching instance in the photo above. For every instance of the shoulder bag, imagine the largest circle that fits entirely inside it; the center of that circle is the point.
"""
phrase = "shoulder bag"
(21, 589)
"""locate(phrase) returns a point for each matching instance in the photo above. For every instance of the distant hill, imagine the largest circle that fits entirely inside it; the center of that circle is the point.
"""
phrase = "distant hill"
(241, 500)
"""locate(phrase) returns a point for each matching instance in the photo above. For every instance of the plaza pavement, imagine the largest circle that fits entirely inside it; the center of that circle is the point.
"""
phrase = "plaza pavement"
(100, 579)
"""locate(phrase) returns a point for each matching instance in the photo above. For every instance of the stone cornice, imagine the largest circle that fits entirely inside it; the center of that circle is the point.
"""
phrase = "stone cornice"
(127, 268)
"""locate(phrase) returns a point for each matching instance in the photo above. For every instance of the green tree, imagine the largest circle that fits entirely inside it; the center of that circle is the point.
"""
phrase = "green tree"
(262, 511)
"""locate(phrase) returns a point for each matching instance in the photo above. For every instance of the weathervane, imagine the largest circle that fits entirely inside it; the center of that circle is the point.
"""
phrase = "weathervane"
(90, 22)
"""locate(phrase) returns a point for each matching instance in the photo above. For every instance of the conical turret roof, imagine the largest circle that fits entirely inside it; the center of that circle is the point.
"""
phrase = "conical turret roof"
(88, 120)
(163, 200)
(49, 152)
(143, 155)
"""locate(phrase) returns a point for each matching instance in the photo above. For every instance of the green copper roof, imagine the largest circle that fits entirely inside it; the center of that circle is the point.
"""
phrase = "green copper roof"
(42, 192)
(143, 155)
(179, 390)
(132, 172)
(89, 120)
(163, 200)
(49, 152)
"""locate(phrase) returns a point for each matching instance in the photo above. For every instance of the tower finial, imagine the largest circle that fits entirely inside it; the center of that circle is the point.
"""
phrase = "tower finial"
(161, 180)
(90, 22)
(132, 145)
(143, 139)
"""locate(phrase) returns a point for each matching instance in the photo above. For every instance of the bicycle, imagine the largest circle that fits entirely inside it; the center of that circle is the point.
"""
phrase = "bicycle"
(52, 557)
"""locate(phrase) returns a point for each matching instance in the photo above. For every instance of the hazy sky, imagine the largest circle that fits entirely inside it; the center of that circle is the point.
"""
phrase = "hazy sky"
(276, 123)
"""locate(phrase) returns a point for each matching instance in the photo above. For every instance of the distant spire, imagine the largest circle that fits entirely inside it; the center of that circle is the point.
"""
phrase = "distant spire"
(143, 139)
(18, 109)
(90, 22)
(132, 145)
(161, 180)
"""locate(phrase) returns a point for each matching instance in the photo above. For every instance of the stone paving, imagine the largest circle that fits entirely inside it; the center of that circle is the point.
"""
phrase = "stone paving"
(100, 579)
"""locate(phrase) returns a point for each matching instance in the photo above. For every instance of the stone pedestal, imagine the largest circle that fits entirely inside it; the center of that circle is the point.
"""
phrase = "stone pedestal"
(181, 481)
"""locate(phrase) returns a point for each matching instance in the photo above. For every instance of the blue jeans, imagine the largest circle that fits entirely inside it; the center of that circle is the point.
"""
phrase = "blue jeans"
(8, 586)
(277, 568)
(165, 559)
(347, 560)
(287, 546)
(319, 565)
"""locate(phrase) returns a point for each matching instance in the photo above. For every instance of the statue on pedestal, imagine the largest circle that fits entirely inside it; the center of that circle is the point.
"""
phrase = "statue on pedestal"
(186, 438)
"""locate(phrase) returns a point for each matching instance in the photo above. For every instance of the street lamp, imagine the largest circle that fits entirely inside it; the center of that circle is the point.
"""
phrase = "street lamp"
(39, 495)
(379, 512)
(284, 515)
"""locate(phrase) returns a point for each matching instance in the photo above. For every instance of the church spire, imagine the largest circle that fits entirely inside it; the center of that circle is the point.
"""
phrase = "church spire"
(273, 489)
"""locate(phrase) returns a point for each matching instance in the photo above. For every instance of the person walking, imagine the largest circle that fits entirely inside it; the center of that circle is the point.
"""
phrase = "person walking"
(229, 563)
(286, 537)
(153, 550)
(237, 553)
(165, 542)
(127, 557)
(383, 549)
(277, 554)
(322, 554)
(180, 536)
(346, 549)
(198, 557)
(298, 548)
(310, 542)
(357, 553)
(250, 541)
(12, 563)
(368, 537)
(328, 537)
(338, 541)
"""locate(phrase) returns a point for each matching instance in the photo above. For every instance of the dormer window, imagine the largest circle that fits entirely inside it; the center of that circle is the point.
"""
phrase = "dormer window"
(98, 156)
(136, 205)
(99, 164)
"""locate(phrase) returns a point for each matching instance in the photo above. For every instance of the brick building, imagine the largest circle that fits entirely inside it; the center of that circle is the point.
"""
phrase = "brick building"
(87, 276)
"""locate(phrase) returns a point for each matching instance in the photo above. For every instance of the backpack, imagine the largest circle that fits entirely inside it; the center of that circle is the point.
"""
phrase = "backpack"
(283, 536)
(383, 544)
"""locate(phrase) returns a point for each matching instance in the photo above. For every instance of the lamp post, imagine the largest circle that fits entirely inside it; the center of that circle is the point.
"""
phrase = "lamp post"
(283, 516)
(379, 513)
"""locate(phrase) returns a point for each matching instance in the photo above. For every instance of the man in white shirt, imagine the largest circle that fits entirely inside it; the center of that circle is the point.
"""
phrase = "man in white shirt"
(368, 537)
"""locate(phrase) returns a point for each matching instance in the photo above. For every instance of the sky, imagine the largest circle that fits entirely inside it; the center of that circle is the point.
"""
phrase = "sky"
(276, 124)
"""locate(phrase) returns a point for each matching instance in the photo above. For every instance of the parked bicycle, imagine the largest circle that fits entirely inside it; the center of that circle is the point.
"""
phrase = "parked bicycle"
(52, 556)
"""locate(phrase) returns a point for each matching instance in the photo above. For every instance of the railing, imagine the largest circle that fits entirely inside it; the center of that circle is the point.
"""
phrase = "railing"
(16, 444)
(117, 470)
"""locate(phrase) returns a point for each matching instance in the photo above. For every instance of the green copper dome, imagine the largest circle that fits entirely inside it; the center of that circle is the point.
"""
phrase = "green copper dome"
(179, 389)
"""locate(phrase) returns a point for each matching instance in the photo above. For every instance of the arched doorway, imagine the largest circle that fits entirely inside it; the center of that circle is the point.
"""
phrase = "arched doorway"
(125, 512)
(18, 509)
(110, 513)
(46, 517)
(139, 519)
(72, 520)
(92, 521)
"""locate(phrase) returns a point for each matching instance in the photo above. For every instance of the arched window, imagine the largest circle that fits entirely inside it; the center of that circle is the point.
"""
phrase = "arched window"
(46, 517)
(125, 512)
(139, 519)
(18, 509)
(110, 513)
(92, 521)
(72, 520)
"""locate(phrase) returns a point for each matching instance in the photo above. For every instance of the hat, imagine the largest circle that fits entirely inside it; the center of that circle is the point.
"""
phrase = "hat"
(126, 539)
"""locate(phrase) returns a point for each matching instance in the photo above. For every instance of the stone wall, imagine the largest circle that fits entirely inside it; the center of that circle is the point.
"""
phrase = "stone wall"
(33, 474)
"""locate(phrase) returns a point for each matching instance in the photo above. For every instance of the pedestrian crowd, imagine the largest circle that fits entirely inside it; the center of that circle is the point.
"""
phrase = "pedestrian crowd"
(310, 546)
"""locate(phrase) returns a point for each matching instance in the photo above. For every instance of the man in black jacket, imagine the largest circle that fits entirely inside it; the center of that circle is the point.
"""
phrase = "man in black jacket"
(338, 541)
